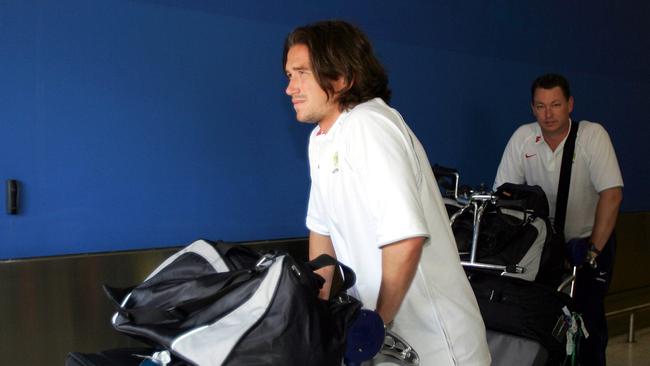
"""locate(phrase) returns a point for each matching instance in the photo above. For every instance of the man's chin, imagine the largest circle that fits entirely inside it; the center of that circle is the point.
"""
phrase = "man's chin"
(305, 120)
(549, 127)
(552, 127)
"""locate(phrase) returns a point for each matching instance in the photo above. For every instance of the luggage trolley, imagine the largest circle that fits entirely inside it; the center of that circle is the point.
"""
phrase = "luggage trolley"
(478, 201)
(463, 199)
(505, 347)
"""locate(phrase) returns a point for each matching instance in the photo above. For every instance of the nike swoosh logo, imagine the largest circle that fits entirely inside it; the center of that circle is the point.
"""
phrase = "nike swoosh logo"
(530, 156)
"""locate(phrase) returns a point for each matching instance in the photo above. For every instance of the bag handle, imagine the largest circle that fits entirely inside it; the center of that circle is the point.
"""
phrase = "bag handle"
(324, 260)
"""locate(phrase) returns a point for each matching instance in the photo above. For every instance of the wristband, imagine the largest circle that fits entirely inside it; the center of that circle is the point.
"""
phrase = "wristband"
(592, 248)
(388, 326)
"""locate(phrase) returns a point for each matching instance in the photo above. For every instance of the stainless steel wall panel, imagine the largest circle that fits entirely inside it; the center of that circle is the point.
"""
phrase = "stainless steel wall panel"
(55, 305)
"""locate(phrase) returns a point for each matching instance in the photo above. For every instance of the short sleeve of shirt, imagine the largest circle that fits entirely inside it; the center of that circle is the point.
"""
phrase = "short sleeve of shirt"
(315, 214)
(381, 154)
(316, 220)
(604, 170)
(511, 169)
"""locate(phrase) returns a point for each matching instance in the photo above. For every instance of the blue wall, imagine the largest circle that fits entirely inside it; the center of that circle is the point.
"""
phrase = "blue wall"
(134, 124)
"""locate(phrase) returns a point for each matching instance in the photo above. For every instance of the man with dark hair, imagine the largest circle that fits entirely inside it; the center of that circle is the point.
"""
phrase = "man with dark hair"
(548, 82)
(533, 156)
(374, 202)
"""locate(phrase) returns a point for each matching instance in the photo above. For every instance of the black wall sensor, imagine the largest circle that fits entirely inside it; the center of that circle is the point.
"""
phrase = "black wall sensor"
(12, 197)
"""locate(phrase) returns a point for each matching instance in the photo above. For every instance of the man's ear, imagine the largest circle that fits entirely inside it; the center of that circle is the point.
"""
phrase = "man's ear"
(570, 104)
(340, 84)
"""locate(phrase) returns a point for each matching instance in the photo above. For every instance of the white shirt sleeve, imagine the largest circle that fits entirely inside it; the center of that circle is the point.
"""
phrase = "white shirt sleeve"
(382, 156)
(511, 168)
(315, 220)
(604, 170)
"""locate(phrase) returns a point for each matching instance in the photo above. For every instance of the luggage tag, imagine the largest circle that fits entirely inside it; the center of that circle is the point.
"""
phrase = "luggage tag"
(564, 322)
(575, 330)
(560, 329)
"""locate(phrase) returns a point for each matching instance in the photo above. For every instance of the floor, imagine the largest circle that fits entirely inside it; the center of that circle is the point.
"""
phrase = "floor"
(621, 353)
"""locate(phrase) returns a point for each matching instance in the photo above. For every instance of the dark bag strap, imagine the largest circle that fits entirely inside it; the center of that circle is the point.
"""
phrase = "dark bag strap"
(565, 179)
(324, 260)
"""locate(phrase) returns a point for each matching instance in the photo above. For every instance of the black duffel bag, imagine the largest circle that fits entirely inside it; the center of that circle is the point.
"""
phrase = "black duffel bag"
(525, 309)
(219, 304)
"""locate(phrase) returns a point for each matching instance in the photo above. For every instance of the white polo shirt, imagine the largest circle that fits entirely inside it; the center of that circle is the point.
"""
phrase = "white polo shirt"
(372, 185)
(528, 159)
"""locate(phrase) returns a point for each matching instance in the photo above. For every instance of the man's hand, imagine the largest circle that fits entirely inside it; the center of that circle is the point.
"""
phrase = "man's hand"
(592, 253)
(399, 264)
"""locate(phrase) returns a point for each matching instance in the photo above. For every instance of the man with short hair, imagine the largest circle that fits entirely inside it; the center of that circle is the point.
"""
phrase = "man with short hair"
(374, 202)
(534, 156)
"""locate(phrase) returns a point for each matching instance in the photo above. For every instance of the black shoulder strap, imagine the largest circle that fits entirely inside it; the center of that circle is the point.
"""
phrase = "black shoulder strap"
(565, 179)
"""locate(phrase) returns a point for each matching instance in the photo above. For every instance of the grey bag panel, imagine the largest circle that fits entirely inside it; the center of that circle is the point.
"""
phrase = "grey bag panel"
(200, 247)
(507, 349)
(198, 346)
(533, 257)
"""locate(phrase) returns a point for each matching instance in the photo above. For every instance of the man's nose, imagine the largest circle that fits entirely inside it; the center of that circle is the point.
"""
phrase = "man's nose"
(548, 113)
(291, 87)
